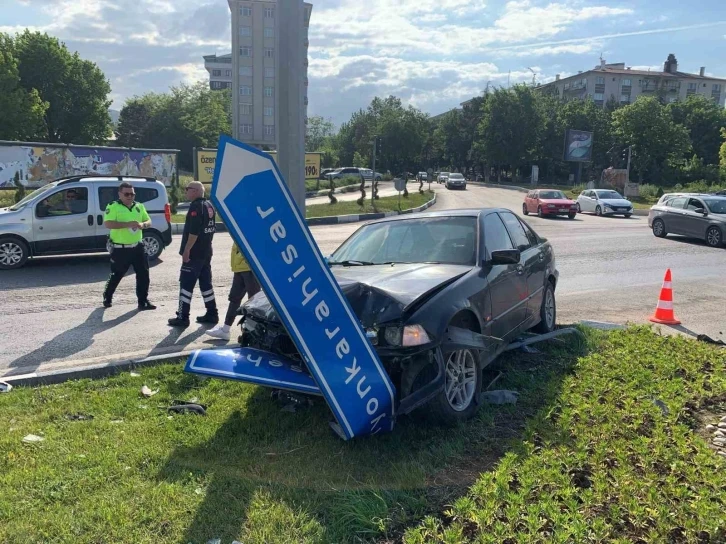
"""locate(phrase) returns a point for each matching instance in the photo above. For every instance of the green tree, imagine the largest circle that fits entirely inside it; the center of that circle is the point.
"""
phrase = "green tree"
(656, 139)
(318, 132)
(704, 119)
(511, 125)
(21, 111)
(722, 151)
(76, 90)
(586, 115)
(455, 141)
(133, 123)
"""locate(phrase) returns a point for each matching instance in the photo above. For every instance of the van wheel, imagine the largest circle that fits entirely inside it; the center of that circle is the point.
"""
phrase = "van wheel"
(14, 253)
(153, 245)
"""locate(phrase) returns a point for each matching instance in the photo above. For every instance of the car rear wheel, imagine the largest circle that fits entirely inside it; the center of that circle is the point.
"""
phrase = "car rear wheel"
(539, 211)
(579, 210)
(13, 253)
(714, 238)
(659, 229)
(525, 211)
(153, 245)
(598, 211)
(628, 215)
(548, 311)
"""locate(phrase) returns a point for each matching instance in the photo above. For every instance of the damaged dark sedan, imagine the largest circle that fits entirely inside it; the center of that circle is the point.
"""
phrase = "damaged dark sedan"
(440, 296)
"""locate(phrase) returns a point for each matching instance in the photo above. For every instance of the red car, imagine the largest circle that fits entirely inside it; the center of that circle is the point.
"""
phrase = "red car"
(548, 202)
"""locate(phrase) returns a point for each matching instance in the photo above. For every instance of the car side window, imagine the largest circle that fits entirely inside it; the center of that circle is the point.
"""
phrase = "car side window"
(694, 204)
(516, 231)
(495, 235)
(533, 241)
(678, 202)
(109, 194)
(72, 201)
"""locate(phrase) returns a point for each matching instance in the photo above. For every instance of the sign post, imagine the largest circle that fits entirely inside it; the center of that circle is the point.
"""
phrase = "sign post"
(257, 205)
(429, 175)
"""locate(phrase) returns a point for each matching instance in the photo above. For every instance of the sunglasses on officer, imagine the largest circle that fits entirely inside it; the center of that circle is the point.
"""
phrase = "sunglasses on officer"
(126, 193)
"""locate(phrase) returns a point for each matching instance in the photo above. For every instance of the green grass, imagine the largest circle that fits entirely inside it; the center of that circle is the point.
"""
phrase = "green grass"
(384, 204)
(7, 198)
(584, 456)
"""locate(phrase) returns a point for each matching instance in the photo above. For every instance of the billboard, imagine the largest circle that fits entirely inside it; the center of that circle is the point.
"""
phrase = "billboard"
(40, 163)
(205, 160)
(578, 145)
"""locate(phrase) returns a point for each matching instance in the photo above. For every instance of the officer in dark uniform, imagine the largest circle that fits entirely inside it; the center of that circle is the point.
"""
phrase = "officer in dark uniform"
(196, 252)
(126, 219)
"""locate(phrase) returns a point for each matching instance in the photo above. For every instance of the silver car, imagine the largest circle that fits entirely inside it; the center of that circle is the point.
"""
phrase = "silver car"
(65, 217)
(455, 181)
(603, 202)
(701, 216)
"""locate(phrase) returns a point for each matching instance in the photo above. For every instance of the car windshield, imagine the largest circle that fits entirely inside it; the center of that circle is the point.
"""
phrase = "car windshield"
(31, 196)
(450, 240)
(716, 205)
(444, 174)
(456, 176)
(554, 195)
(609, 194)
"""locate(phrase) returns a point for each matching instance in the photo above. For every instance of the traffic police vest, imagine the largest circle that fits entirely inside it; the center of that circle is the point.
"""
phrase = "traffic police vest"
(117, 211)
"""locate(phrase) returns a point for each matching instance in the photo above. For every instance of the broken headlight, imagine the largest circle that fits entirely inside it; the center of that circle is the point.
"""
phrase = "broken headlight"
(410, 335)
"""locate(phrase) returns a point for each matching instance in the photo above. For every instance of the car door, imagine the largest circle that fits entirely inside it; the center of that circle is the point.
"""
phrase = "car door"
(63, 221)
(507, 282)
(674, 215)
(695, 224)
(584, 201)
(532, 260)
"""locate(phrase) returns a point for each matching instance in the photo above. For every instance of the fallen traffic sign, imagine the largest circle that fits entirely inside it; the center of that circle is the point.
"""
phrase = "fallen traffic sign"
(253, 199)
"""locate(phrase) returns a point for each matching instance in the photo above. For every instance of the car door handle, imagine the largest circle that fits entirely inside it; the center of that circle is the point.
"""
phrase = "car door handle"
(99, 220)
(90, 220)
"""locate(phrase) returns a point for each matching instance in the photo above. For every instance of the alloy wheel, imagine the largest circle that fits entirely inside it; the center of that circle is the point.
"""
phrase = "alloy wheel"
(151, 245)
(658, 228)
(549, 309)
(460, 380)
(713, 237)
(10, 253)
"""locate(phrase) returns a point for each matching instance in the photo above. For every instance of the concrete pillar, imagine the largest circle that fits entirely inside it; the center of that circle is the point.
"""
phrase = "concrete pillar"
(290, 90)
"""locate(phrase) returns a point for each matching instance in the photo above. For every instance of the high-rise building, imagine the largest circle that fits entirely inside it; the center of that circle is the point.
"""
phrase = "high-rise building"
(623, 85)
(220, 71)
(252, 69)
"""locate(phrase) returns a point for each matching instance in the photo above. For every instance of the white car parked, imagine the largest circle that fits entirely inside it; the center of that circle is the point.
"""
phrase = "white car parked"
(604, 202)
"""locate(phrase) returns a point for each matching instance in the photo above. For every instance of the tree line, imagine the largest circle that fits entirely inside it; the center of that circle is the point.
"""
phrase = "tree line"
(504, 133)
(49, 94)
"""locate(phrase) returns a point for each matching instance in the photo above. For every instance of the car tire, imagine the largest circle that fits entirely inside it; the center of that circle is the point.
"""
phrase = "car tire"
(598, 211)
(14, 253)
(459, 398)
(539, 211)
(714, 237)
(525, 211)
(579, 210)
(153, 245)
(571, 215)
(547, 311)
(628, 215)
(659, 229)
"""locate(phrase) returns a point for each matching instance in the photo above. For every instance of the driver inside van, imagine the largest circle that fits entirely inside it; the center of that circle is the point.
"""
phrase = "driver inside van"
(70, 204)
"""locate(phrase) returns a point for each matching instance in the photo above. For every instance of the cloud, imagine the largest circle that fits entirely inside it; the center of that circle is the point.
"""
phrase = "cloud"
(571, 49)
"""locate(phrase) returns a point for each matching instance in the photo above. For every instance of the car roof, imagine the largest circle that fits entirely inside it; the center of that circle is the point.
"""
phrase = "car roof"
(103, 179)
(465, 212)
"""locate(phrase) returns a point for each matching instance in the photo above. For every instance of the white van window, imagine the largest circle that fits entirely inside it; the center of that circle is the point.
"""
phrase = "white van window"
(64, 202)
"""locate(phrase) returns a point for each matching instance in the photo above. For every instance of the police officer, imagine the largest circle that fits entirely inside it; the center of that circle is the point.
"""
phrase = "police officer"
(126, 220)
(196, 252)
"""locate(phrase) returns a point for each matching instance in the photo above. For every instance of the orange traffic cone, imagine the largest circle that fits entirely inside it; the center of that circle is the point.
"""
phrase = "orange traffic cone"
(664, 310)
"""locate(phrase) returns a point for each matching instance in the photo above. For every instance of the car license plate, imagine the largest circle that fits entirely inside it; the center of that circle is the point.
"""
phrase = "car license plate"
(564, 210)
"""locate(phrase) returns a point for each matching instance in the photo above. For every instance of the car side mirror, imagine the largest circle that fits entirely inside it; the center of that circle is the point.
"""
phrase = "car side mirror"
(701, 210)
(505, 256)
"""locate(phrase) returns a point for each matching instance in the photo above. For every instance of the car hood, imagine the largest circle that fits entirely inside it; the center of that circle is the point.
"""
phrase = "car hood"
(615, 201)
(380, 293)
(557, 201)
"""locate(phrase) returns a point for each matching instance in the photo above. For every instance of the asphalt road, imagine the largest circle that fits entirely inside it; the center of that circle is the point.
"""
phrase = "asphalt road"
(611, 269)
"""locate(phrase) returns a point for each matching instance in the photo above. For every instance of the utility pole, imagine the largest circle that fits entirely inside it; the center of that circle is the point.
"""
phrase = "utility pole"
(290, 126)
(376, 143)
(627, 172)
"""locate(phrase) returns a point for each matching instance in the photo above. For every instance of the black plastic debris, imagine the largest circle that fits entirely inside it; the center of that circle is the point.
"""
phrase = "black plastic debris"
(183, 407)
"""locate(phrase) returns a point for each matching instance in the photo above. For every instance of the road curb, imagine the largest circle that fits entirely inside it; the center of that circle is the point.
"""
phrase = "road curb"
(499, 186)
(95, 371)
(178, 228)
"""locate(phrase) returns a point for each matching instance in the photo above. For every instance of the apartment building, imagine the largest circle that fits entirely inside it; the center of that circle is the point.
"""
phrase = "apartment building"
(623, 84)
(252, 69)
(220, 71)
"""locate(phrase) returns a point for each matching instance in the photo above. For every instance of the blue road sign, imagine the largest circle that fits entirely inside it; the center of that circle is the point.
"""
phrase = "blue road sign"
(253, 366)
(255, 203)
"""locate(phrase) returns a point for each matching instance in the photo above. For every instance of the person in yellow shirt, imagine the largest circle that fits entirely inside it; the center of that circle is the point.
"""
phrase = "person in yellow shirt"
(243, 282)
(126, 219)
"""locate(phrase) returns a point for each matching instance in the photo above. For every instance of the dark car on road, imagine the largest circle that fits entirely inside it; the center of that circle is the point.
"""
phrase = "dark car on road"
(701, 216)
(440, 295)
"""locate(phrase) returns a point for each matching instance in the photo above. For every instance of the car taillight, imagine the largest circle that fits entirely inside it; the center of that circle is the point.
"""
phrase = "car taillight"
(167, 212)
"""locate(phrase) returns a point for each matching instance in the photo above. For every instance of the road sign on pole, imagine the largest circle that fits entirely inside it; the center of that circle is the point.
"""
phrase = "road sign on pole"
(262, 217)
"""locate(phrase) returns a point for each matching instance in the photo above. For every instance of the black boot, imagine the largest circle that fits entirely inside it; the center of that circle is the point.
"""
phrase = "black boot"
(146, 305)
(179, 322)
(211, 318)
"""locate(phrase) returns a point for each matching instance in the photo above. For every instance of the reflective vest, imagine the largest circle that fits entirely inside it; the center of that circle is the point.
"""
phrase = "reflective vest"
(117, 211)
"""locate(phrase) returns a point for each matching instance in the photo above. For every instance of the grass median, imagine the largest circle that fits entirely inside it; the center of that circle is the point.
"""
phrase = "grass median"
(585, 455)
(350, 207)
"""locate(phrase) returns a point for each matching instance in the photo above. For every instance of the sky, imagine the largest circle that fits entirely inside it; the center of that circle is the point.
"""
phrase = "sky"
(433, 54)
